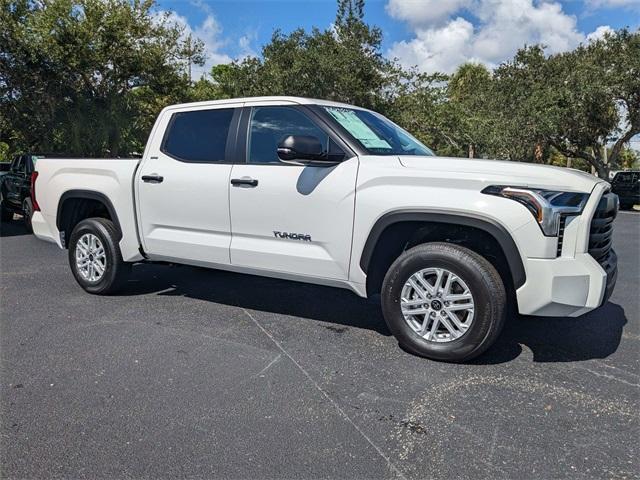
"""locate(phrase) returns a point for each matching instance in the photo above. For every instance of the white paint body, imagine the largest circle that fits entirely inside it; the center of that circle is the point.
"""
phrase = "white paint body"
(195, 216)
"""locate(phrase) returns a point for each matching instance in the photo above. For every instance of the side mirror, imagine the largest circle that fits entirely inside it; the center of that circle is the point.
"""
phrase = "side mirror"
(305, 150)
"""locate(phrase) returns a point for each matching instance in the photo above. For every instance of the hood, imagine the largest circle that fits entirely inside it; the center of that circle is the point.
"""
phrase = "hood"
(499, 172)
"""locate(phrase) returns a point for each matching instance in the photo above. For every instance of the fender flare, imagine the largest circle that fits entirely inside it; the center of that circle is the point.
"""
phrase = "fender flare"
(89, 195)
(490, 226)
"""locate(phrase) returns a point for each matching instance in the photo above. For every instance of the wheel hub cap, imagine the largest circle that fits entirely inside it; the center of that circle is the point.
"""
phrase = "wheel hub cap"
(444, 318)
(436, 305)
(91, 259)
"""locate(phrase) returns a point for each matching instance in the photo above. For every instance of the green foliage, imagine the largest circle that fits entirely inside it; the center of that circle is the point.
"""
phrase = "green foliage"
(343, 64)
(586, 95)
(4, 152)
(86, 76)
(576, 102)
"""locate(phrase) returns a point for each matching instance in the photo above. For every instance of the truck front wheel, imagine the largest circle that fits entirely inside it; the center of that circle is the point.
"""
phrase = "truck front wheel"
(95, 258)
(444, 302)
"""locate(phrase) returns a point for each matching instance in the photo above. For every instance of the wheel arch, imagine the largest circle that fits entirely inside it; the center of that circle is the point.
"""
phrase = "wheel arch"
(67, 216)
(481, 223)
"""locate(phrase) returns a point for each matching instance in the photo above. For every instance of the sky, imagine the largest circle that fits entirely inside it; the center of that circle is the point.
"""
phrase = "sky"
(433, 35)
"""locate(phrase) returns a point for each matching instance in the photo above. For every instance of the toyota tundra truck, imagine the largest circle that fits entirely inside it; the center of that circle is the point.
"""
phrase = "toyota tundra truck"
(333, 194)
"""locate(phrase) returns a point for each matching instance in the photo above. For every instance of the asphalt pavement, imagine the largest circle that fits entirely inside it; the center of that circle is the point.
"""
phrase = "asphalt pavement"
(201, 374)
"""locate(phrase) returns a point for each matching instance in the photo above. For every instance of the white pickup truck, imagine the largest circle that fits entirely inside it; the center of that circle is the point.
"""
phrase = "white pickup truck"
(333, 194)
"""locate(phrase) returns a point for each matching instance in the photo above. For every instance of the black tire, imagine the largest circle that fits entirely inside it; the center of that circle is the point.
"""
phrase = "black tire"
(116, 270)
(481, 277)
(626, 206)
(27, 213)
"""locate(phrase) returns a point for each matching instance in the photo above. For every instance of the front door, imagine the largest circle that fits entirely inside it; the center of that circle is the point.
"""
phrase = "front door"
(183, 186)
(291, 218)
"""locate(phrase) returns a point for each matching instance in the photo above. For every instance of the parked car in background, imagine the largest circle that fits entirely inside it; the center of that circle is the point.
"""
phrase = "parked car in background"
(15, 189)
(627, 186)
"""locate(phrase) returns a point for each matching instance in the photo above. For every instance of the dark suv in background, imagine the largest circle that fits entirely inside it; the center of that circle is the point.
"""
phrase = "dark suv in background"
(15, 189)
(627, 186)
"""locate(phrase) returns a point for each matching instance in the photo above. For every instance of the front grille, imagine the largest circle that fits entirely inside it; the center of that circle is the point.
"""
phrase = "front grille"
(601, 233)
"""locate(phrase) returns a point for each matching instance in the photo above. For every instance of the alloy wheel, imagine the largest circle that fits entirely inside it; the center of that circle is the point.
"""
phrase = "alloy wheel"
(437, 304)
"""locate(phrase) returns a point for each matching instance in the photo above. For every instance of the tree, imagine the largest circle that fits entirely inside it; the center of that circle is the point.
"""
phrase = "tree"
(576, 102)
(597, 92)
(469, 111)
(520, 106)
(76, 75)
(344, 64)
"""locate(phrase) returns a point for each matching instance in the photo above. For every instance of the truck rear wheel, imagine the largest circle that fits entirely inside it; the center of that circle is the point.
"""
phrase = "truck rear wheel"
(95, 258)
(444, 302)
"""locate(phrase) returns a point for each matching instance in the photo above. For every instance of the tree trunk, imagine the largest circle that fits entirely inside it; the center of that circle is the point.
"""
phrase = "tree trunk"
(472, 151)
(600, 167)
(538, 152)
(114, 141)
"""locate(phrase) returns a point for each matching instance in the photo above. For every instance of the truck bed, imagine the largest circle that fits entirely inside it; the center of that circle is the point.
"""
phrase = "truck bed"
(58, 178)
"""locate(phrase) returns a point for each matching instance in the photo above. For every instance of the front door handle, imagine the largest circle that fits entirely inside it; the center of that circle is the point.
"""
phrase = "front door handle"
(250, 182)
(154, 178)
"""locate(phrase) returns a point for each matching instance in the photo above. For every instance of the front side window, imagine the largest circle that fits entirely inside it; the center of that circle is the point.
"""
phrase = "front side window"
(270, 125)
(198, 136)
(377, 135)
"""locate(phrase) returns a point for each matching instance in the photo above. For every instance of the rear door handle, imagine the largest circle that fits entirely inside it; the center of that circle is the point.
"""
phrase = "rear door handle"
(250, 182)
(154, 178)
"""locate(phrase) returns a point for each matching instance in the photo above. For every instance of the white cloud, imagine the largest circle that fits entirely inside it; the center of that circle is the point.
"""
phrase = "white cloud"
(245, 43)
(499, 28)
(420, 12)
(210, 32)
(599, 33)
(436, 49)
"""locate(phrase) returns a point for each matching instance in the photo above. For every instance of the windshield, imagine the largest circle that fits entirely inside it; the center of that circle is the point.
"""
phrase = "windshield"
(377, 134)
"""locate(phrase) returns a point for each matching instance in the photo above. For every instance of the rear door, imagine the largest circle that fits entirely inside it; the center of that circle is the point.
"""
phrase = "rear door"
(183, 185)
(291, 218)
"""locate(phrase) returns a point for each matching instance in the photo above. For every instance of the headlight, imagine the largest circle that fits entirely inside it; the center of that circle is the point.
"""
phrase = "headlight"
(547, 206)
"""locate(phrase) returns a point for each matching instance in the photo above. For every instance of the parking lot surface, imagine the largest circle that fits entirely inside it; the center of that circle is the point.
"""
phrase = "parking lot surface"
(199, 373)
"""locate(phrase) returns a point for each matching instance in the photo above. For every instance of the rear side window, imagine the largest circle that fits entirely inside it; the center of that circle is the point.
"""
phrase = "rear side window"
(198, 136)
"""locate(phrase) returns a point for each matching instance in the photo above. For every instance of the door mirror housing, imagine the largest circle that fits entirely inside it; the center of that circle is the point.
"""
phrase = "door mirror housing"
(305, 150)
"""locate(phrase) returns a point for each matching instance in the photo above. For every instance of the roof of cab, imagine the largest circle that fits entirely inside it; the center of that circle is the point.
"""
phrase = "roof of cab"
(275, 100)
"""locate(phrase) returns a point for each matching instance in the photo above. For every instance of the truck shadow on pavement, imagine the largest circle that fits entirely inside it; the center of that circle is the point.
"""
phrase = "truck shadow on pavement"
(13, 228)
(326, 304)
(595, 335)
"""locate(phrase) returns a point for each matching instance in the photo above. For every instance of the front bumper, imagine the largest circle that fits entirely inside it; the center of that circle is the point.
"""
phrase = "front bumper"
(584, 274)
(565, 287)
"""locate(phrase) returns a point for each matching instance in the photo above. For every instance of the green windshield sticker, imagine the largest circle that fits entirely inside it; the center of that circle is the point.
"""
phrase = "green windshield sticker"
(356, 127)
